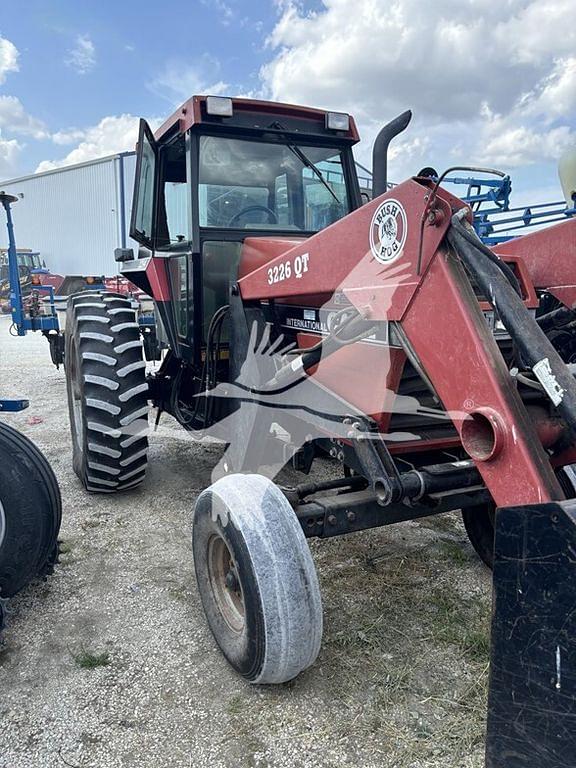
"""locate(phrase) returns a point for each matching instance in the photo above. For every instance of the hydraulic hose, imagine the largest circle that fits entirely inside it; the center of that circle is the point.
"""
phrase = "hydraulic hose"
(532, 343)
(471, 236)
(556, 318)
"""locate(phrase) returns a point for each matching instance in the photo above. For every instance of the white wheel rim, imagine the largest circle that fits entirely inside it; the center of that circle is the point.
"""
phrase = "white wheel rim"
(230, 601)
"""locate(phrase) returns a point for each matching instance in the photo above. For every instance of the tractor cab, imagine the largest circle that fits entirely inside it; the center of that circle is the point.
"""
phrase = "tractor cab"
(220, 171)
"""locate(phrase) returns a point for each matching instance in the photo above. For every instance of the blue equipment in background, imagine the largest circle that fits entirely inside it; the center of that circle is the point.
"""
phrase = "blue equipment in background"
(13, 406)
(40, 315)
(494, 220)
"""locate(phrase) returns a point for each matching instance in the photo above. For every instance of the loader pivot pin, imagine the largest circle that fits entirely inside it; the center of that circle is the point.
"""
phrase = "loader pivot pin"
(482, 434)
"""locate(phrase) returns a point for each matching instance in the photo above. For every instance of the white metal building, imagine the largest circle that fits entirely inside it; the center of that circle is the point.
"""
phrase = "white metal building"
(75, 216)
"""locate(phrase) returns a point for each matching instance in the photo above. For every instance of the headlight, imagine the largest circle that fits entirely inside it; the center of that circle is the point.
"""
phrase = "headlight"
(337, 121)
(219, 105)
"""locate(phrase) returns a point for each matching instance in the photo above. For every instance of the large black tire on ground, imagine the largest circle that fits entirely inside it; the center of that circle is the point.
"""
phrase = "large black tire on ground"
(30, 512)
(256, 579)
(107, 392)
(480, 526)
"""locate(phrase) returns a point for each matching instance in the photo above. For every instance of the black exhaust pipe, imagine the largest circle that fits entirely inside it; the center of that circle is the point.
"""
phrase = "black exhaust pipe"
(380, 151)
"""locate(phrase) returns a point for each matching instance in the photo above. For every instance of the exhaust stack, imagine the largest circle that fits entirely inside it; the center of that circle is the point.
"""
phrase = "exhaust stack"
(380, 151)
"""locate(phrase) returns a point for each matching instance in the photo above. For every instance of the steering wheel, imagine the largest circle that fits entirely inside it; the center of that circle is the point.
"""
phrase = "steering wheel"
(271, 215)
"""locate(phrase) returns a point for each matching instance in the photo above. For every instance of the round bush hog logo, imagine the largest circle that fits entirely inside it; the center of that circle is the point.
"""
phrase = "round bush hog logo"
(388, 231)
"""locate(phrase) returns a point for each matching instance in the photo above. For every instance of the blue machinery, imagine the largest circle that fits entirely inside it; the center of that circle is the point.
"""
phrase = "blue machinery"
(494, 220)
(35, 319)
(37, 312)
(13, 406)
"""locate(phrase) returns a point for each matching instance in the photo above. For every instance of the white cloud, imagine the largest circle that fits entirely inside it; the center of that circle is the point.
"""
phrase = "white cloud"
(530, 31)
(516, 146)
(538, 127)
(179, 80)
(224, 11)
(82, 57)
(8, 58)
(555, 95)
(70, 136)
(9, 152)
(111, 135)
(14, 117)
(490, 80)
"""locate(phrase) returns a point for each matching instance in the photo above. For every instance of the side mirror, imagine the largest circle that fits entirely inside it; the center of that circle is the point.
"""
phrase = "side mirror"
(124, 254)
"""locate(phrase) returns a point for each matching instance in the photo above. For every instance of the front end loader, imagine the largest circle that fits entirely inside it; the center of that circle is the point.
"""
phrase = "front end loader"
(293, 321)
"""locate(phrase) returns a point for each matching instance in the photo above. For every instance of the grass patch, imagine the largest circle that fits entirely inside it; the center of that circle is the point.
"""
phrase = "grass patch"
(393, 688)
(454, 553)
(179, 593)
(476, 645)
(89, 660)
(236, 705)
(90, 523)
(462, 623)
(406, 648)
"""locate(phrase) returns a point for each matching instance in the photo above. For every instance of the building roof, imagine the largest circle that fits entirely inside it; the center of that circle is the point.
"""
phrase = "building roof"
(62, 168)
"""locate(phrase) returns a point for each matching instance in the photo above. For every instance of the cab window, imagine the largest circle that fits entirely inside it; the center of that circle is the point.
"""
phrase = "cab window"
(247, 184)
(173, 223)
(162, 201)
(143, 207)
(324, 203)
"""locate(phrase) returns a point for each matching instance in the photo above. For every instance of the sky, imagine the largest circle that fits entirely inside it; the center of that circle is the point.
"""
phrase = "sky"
(490, 82)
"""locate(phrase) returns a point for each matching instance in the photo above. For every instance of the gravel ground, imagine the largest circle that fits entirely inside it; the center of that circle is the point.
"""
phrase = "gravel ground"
(400, 681)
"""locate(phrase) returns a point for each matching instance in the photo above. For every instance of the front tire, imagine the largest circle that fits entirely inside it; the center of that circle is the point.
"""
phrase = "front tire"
(107, 392)
(256, 579)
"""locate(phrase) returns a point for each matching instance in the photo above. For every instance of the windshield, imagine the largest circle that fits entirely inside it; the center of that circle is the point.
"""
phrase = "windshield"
(31, 260)
(257, 185)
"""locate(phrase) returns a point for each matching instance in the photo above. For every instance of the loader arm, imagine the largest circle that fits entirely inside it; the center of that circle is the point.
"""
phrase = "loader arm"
(419, 284)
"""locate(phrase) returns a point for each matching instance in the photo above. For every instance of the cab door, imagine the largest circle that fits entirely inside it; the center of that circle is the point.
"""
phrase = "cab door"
(145, 185)
(160, 223)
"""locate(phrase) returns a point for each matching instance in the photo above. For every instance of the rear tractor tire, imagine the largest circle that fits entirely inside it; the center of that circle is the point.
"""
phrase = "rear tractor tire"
(256, 579)
(479, 523)
(107, 392)
(30, 512)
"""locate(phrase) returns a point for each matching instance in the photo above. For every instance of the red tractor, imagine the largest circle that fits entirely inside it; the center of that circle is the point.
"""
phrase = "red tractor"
(292, 320)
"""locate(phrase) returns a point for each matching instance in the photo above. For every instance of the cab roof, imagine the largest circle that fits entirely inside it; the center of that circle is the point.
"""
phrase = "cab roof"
(252, 115)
